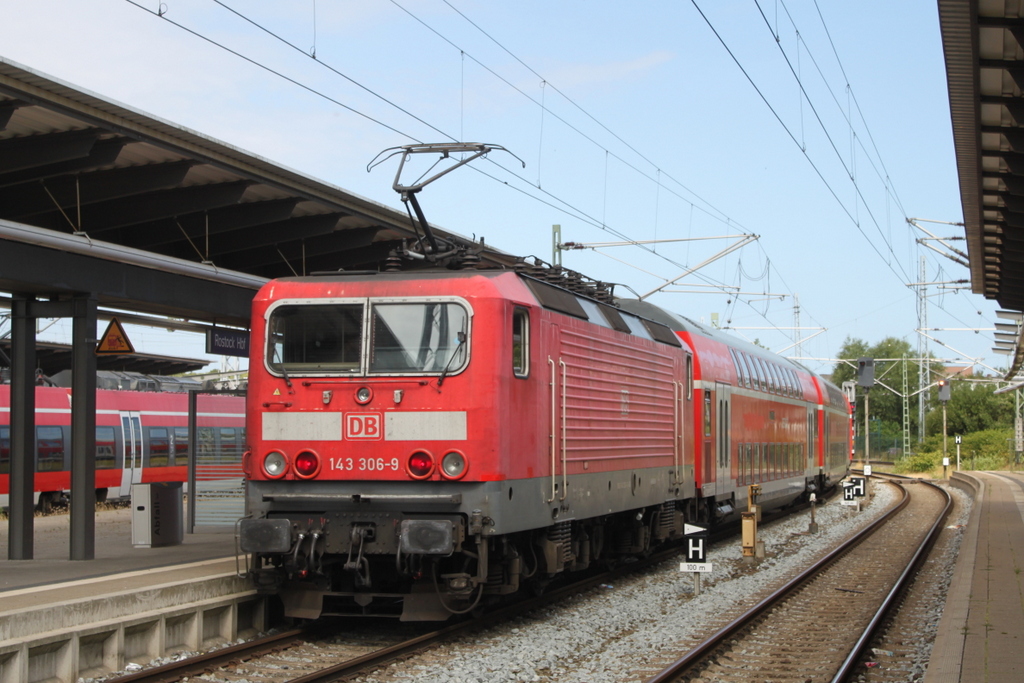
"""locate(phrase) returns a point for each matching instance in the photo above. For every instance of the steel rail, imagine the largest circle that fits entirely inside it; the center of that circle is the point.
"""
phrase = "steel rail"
(193, 666)
(719, 637)
(846, 670)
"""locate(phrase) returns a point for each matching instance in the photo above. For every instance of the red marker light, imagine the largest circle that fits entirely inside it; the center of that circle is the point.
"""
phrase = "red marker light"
(420, 464)
(307, 464)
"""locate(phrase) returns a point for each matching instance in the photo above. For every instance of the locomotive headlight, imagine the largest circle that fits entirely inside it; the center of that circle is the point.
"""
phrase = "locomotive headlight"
(453, 465)
(274, 464)
(307, 464)
(363, 395)
(421, 464)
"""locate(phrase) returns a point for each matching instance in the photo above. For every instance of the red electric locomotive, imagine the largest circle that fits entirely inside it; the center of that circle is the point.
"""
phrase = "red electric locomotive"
(423, 442)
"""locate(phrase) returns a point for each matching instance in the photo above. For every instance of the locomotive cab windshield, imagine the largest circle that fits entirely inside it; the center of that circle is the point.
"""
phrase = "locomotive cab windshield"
(401, 337)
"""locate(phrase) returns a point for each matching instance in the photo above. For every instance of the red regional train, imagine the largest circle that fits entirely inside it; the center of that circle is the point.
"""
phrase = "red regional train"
(422, 443)
(141, 437)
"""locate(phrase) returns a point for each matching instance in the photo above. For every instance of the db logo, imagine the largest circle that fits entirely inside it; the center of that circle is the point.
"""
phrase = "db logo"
(363, 426)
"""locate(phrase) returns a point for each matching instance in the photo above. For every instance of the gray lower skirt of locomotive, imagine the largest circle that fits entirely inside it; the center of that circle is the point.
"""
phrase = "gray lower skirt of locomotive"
(408, 520)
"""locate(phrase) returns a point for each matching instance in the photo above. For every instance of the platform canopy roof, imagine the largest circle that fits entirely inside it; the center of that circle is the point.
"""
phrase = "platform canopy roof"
(983, 42)
(86, 175)
(51, 358)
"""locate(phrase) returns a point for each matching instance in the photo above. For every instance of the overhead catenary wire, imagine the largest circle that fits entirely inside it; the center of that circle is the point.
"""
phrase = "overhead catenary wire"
(556, 202)
(904, 279)
(882, 173)
(850, 169)
(528, 187)
(568, 208)
(586, 113)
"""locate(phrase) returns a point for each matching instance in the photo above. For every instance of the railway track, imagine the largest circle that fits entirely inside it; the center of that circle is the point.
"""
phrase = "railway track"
(318, 654)
(816, 627)
(321, 653)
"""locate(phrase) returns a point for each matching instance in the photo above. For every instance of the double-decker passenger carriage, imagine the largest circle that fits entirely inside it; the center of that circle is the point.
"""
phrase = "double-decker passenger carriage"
(142, 436)
(423, 442)
(764, 420)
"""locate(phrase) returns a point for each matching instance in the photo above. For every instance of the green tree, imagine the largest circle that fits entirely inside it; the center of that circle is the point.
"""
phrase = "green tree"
(972, 407)
(886, 405)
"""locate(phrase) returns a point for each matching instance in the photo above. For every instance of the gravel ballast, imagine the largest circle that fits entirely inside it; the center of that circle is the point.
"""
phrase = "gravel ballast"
(629, 631)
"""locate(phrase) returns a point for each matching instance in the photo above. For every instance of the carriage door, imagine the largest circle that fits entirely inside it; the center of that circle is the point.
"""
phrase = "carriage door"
(812, 439)
(826, 437)
(723, 447)
(131, 440)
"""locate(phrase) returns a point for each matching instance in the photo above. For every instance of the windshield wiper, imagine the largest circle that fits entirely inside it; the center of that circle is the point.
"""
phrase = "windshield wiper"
(447, 367)
(280, 364)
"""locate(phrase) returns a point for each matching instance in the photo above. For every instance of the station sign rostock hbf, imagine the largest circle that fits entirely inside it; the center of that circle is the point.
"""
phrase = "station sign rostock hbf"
(227, 342)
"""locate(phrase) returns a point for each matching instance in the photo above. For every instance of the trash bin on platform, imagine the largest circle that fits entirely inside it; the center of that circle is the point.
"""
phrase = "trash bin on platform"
(157, 515)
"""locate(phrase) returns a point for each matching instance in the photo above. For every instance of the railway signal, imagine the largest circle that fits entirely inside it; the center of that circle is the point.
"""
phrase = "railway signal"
(866, 372)
(944, 391)
(866, 379)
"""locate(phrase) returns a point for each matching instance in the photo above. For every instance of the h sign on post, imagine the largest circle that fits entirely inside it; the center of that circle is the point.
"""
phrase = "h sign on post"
(696, 549)
(853, 489)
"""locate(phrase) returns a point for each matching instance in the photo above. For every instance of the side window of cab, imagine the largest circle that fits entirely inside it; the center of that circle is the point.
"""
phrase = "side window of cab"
(521, 342)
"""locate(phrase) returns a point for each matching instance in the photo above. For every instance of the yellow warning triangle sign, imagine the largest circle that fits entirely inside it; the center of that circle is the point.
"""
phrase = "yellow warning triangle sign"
(114, 341)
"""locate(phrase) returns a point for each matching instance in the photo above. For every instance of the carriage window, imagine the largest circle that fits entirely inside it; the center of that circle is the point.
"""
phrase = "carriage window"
(159, 447)
(752, 371)
(736, 364)
(762, 383)
(419, 337)
(707, 413)
(50, 446)
(205, 445)
(229, 449)
(180, 445)
(105, 448)
(521, 342)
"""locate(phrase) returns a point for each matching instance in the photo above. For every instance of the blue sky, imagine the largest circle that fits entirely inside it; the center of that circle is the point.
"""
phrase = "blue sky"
(633, 121)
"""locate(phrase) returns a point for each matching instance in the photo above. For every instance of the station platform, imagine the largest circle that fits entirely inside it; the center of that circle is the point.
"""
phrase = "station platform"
(981, 633)
(62, 620)
(114, 552)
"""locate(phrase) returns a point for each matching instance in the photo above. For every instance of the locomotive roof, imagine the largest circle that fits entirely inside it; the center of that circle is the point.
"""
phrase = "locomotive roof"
(681, 323)
(425, 274)
(549, 295)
